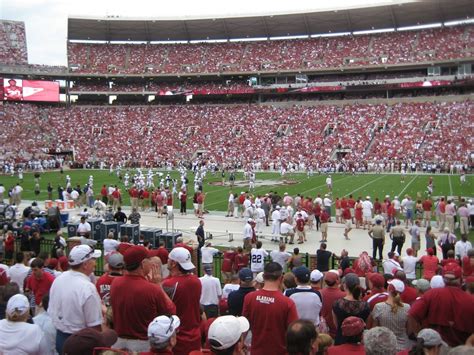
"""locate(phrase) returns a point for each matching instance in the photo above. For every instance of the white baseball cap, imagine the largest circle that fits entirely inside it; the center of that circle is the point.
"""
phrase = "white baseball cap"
(162, 328)
(259, 278)
(82, 253)
(227, 330)
(398, 285)
(437, 282)
(316, 275)
(182, 257)
(17, 304)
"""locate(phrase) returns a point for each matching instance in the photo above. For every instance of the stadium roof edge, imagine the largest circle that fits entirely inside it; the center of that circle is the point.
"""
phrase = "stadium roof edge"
(391, 15)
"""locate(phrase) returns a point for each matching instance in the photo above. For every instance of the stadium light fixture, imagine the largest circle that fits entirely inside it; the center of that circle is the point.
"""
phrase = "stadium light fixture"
(420, 27)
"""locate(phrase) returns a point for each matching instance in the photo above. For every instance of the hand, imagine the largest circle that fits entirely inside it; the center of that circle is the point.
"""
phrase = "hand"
(154, 275)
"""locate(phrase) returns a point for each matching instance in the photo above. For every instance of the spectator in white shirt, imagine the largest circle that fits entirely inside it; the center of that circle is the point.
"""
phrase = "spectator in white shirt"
(367, 208)
(281, 256)
(234, 285)
(211, 293)
(44, 321)
(110, 244)
(462, 246)
(391, 265)
(257, 258)
(84, 228)
(207, 254)
(19, 271)
(409, 264)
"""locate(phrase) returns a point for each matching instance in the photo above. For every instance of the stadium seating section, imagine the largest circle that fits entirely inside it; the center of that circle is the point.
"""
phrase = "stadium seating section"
(315, 53)
(152, 135)
(13, 43)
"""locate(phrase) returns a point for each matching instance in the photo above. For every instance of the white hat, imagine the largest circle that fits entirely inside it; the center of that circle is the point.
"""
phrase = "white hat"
(242, 193)
(259, 278)
(250, 220)
(227, 330)
(397, 284)
(387, 196)
(437, 282)
(277, 207)
(182, 257)
(17, 304)
(82, 253)
(162, 328)
(396, 197)
(367, 198)
(316, 275)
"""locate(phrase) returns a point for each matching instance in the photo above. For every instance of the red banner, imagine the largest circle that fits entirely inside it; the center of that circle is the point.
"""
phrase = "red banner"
(30, 90)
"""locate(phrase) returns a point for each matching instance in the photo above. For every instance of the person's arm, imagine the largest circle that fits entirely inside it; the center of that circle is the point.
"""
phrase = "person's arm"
(372, 322)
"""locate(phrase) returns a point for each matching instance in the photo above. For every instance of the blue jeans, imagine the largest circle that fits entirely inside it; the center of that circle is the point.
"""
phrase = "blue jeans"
(61, 337)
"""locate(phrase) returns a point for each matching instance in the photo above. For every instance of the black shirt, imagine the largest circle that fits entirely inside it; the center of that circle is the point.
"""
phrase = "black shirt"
(322, 260)
(345, 263)
(200, 236)
(120, 217)
(235, 301)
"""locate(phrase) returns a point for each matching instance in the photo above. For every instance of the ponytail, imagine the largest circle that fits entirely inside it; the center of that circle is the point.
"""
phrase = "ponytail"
(397, 302)
(356, 291)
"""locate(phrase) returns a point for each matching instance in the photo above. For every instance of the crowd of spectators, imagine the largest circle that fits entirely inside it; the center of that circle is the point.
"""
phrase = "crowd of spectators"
(13, 43)
(150, 299)
(315, 53)
(125, 134)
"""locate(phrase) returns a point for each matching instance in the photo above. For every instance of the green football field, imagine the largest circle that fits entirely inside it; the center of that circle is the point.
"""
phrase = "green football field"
(374, 185)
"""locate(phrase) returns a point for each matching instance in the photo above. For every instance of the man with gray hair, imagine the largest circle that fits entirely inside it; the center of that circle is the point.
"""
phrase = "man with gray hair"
(380, 341)
(162, 334)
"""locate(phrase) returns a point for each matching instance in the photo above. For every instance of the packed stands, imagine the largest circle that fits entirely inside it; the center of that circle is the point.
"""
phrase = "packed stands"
(151, 135)
(316, 53)
(13, 43)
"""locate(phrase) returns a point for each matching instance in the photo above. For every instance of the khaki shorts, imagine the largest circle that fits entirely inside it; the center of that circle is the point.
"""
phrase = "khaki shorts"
(427, 214)
(338, 212)
(324, 227)
(348, 223)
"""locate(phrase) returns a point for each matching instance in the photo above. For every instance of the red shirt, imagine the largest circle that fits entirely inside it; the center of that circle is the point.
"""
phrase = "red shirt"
(375, 297)
(409, 295)
(337, 204)
(466, 266)
(10, 243)
(324, 216)
(377, 207)
(346, 213)
(103, 191)
(3, 277)
(317, 210)
(41, 286)
(346, 349)
(442, 207)
(430, 266)
(103, 284)
(241, 261)
(133, 193)
(330, 295)
(351, 202)
(228, 261)
(269, 314)
(135, 303)
(300, 224)
(449, 310)
(186, 291)
(448, 261)
(427, 205)
(162, 253)
(344, 203)
(116, 194)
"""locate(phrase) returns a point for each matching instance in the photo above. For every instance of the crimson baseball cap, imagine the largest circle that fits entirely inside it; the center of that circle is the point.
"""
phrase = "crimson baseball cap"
(452, 270)
(135, 255)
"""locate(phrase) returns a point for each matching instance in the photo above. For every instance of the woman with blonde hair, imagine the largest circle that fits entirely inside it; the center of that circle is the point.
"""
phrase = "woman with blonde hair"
(393, 314)
(16, 335)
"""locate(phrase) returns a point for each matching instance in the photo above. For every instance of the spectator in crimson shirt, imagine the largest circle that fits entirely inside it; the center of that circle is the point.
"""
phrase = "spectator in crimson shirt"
(352, 330)
(39, 282)
(227, 266)
(269, 313)
(448, 310)
(116, 266)
(330, 294)
(185, 290)
(241, 260)
(409, 294)
(162, 253)
(376, 283)
(468, 263)
(430, 264)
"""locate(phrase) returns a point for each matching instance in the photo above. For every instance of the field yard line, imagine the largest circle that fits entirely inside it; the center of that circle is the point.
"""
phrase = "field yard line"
(450, 186)
(361, 187)
(401, 192)
(317, 187)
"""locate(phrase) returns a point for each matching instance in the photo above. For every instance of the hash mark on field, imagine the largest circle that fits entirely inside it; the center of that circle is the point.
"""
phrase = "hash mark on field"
(361, 187)
(406, 187)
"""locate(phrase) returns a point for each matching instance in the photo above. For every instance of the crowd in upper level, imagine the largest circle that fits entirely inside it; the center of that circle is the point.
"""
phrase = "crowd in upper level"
(273, 55)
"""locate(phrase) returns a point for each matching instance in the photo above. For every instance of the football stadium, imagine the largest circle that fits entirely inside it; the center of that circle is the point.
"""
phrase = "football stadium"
(201, 184)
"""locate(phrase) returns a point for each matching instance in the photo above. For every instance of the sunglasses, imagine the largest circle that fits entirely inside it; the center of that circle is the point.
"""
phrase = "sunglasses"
(85, 257)
(170, 328)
